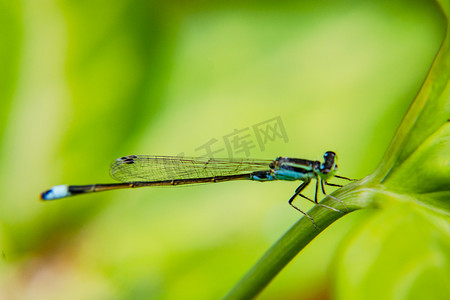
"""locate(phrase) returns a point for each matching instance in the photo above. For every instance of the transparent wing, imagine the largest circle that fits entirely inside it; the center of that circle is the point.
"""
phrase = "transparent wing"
(136, 168)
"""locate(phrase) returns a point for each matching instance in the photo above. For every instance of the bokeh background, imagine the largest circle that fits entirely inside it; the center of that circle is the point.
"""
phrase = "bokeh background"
(85, 82)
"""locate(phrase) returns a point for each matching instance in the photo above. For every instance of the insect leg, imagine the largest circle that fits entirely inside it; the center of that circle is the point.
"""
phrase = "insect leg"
(337, 199)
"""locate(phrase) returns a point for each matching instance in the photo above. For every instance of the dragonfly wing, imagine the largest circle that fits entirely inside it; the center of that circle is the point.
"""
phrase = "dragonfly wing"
(138, 168)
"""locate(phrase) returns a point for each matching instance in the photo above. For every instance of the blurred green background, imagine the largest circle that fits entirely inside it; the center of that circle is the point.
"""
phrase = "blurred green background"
(85, 82)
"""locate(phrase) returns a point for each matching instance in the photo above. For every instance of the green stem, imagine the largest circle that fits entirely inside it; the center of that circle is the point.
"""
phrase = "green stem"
(295, 239)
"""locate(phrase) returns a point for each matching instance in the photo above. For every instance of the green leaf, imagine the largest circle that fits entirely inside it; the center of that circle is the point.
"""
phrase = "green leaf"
(425, 174)
(416, 165)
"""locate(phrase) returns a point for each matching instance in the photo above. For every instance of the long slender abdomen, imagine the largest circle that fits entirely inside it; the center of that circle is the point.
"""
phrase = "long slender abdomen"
(62, 191)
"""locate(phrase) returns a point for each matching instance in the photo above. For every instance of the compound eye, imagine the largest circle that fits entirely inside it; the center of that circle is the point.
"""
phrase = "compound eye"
(330, 153)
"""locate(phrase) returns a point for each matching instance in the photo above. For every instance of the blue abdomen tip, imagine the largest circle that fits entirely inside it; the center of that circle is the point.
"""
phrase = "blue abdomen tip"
(56, 192)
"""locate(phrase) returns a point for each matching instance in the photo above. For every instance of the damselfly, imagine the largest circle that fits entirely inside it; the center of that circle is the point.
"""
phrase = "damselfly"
(144, 170)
